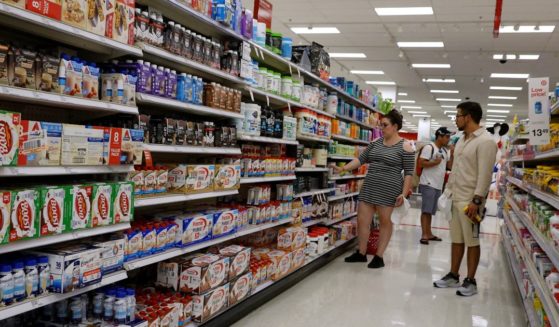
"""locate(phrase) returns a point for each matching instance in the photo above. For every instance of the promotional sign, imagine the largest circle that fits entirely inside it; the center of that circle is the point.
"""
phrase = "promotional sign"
(538, 111)
(263, 12)
(424, 130)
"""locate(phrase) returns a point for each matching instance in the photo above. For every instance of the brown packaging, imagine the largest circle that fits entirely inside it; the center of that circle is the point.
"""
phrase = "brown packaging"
(22, 68)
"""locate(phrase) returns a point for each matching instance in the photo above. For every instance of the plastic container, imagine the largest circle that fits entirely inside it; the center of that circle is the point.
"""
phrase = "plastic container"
(6, 284)
(76, 310)
(286, 47)
(131, 304)
(261, 34)
(98, 305)
(31, 278)
(296, 91)
(120, 307)
(277, 83)
(108, 305)
(276, 42)
(286, 86)
(19, 280)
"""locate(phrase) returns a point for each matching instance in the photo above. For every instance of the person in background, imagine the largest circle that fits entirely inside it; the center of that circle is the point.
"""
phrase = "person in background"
(474, 157)
(385, 186)
(435, 159)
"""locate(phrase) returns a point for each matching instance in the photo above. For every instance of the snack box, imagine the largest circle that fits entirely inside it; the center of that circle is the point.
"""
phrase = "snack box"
(40, 143)
(79, 207)
(5, 210)
(4, 50)
(176, 180)
(240, 288)
(47, 74)
(210, 304)
(22, 68)
(137, 177)
(15, 3)
(239, 258)
(90, 81)
(297, 258)
(282, 263)
(74, 12)
(200, 273)
(123, 202)
(81, 145)
(111, 253)
(123, 28)
(100, 16)
(49, 8)
(131, 146)
(193, 228)
(199, 178)
(9, 137)
(24, 215)
(227, 177)
(53, 208)
(102, 205)
(224, 222)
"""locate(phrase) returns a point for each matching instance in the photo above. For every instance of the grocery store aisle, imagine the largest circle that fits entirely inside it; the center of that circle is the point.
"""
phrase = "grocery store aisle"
(401, 294)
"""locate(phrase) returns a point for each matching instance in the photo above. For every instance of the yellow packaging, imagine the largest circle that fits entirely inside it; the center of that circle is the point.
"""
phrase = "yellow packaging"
(74, 12)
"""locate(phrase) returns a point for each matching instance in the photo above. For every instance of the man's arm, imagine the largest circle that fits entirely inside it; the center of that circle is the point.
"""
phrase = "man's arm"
(425, 156)
(486, 156)
(450, 161)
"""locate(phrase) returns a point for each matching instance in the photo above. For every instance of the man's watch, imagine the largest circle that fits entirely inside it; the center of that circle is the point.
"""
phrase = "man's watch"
(477, 201)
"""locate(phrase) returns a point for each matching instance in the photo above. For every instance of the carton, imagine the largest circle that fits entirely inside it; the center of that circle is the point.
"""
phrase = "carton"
(194, 228)
(199, 178)
(74, 77)
(90, 81)
(132, 245)
(123, 202)
(200, 273)
(111, 253)
(74, 12)
(49, 8)
(297, 258)
(240, 289)
(39, 143)
(176, 180)
(4, 48)
(239, 257)
(282, 263)
(123, 28)
(128, 148)
(137, 177)
(102, 205)
(22, 68)
(53, 204)
(5, 210)
(100, 16)
(137, 140)
(79, 207)
(9, 138)
(47, 74)
(224, 222)
(81, 145)
(208, 305)
(227, 177)
(24, 215)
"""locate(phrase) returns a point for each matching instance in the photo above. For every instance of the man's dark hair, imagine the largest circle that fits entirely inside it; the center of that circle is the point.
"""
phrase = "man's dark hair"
(473, 109)
(395, 118)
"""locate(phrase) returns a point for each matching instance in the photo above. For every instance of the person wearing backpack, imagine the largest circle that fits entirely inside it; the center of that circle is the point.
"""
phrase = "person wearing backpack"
(433, 161)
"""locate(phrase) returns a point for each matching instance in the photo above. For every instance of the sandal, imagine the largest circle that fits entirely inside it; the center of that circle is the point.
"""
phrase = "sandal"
(436, 239)
(424, 241)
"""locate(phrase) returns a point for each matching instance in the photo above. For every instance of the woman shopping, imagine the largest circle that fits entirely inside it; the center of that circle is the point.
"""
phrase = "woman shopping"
(384, 188)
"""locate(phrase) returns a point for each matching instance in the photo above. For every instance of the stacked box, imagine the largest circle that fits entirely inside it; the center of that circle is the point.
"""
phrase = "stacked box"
(239, 258)
(5, 211)
(224, 222)
(123, 202)
(201, 273)
(227, 177)
(9, 138)
(210, 304)
(79, 207)
(102, 205)
(240, 288)
(199, 178)
(193, 228)
(111, 254)
(24, 215)
(40, 143)
(81, 145)
(53, 206)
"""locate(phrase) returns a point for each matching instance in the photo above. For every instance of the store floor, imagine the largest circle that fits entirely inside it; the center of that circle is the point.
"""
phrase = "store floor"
(402, 293)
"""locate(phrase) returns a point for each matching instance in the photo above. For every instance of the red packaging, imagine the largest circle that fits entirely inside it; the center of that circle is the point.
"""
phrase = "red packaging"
(52, 9)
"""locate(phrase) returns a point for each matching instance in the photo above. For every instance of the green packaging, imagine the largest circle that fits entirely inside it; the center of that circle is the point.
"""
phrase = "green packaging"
(5, 210)
(24, 215)
(79, 207)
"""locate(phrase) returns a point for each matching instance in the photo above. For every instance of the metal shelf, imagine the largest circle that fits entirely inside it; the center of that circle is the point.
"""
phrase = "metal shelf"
(280, 100)
(153, 100)
(544, 196)
(309, 138)
(51, 29)
(339, 157)
(159, 148)
(551, 154)
(349, 139)
(263, 139)
(334, 221)
(311, 169)
(63, 170)
(314, 192)
(141, 202)
(355, 121)
(254, 180)
(312, 223)
(337, 178)
(343, 196)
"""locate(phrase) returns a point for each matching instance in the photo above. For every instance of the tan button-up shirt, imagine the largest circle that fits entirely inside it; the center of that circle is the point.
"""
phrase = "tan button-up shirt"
(472, 169)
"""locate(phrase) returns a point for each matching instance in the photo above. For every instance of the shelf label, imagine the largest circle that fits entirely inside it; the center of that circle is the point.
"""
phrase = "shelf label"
(538, 111)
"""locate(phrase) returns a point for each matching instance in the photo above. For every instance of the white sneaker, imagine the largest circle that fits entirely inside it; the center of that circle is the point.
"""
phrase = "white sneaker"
(468, 288)
(450, 280)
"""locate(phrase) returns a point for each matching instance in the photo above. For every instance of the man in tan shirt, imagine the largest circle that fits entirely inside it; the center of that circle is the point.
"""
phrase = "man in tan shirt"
(474, 158)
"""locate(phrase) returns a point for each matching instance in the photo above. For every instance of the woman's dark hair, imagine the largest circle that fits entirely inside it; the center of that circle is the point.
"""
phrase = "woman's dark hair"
(395, 118)
(473, 109)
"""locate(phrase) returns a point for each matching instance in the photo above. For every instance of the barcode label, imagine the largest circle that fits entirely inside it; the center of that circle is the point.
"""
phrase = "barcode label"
(33, 144)
(78, 160)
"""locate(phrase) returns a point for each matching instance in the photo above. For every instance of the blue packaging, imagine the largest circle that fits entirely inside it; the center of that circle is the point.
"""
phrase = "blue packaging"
(224, 222)
(286, 47)
(133, 245)
(181, 82)
(194, 228)
(189, 89)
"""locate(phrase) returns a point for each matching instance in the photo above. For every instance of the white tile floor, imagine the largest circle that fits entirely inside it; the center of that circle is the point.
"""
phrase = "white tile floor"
(401, 294)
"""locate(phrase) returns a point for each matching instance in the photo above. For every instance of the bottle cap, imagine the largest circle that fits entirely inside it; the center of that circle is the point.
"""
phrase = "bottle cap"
(130, 291)
(5, 268)
(121, 294)
(30, 262)
(17, 265)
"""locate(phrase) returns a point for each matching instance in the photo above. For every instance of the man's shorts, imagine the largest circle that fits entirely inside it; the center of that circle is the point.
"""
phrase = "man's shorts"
(429, 199)
(462, 229)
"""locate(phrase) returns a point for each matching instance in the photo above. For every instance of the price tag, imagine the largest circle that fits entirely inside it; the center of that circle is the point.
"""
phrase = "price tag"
(251, 95)
(539, 133)
(289, 107)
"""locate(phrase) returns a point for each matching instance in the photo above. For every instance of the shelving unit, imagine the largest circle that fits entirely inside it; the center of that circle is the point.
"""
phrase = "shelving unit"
(552, 154)
(178, 198)
(355, 121)
(314, 192)
(339, 157)
(254, 180)
(182, 149)
(343, 196)
(263, 139)
(190, 108)
(311, 169)
(63, 170)
(544, 196)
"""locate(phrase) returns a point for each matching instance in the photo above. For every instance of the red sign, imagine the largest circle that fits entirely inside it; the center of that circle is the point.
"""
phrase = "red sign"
(263, 12)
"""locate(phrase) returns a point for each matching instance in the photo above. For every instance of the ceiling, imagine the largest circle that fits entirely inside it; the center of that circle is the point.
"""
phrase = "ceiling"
(465, 27)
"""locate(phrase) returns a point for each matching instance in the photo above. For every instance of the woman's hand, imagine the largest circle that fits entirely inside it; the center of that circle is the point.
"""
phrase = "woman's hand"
(337, 169)
(400, 200)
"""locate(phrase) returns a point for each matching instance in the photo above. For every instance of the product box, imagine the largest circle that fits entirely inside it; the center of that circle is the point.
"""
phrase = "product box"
(47, 74)
(24, 215)
(4, 50)
(131, 145)
(285, 239)
(297, 258)
(202, 272)
(22, 68)
(239, 258)
(111, 253)
(74, 77)
(79, 207)
(81, 145)
(74, 12)
(194, 228)
(240, 289)
(100, 16)
(53, 205)
(102, 205)
(90, 81)
(133, 244)
(199, 178)
(176, 181)
(282, 263)
(49, 8)
(224, 222)
(5, 211)
(40, 143)
(123, 28)
(208, 305)
(227, 177)
(123, 202)
(137, 177)
(9, 137)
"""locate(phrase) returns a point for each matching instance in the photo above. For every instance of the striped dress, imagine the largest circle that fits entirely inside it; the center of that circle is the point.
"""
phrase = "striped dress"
(384, 181)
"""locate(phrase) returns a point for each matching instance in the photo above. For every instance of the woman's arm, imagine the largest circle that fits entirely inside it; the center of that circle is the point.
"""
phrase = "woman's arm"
(409, 165)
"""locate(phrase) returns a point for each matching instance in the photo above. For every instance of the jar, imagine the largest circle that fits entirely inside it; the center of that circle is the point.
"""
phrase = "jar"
(332, 103)
(276, 39)
(263, 78)
(286, 47)
(277, 83)
(286, 86)
(306, 122)
(186, 43)
(269, 81)
(296, 91)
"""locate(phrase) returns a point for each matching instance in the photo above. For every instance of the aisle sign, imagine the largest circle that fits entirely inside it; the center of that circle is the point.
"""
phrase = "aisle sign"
(538, 110)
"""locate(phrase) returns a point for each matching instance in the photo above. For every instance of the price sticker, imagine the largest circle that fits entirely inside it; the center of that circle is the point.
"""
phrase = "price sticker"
(539, 133)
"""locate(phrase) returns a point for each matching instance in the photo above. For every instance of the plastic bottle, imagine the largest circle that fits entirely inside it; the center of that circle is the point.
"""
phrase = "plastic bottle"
(200, 90)
(188, 89)
(194, 90)
(271, 123)
(76, 310)
(131, 304)
(19, 280)
(181, 81)
(31, 278)
(278, 127)
(62, 312)
(6, 284)
(108, 305)
(98, 304)
(120, 307)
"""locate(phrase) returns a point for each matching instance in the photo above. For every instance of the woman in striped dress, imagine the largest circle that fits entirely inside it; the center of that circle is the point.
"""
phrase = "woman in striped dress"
(385, 186)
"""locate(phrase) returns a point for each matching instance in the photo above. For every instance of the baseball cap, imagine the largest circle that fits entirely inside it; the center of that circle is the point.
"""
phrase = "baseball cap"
(442, 131)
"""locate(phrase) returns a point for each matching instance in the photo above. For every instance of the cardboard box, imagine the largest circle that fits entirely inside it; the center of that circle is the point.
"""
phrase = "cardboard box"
(40, 143)
(90, 82)
(102, 205)
(282, 263)
(9, 138)
(24, 215)
(74, 12)
(224, 222)
(74, 78)
(49, 8)
(81, 145)
(137, 139)
(79, 207)
(199, 178)
(132, 245)
(100, 16)
(53, 205)
(111, 253)
(239, 257)
(200, 273)
(227, 177)
(4, 49)
(123, 28)
(240, 289)
(123, 202)
(194, 228)
(176, 180)
(297, 258)
(5, 211)
(22, 68)
(210, 304)
(47, 74)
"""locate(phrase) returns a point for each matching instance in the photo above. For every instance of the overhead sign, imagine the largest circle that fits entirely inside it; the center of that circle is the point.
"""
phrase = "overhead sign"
(538, 110)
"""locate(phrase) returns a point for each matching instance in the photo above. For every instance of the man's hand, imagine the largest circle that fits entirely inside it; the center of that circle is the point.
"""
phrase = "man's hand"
(473, 212)
(437, 160)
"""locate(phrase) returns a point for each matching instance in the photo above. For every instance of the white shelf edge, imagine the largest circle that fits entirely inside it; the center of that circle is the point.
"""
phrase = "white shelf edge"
(20, 171)
(160, 148)
(312, 222)
(339, 157)
(142, 98)
(334, 221)
(313, 192)
(349, 139)
(355, 121)
(344, 196)
(264, 139)
(337, 178)
(538, 156)
(141, 202)
(281, 99)
(311, 169)
(309, 138)
(253, 180)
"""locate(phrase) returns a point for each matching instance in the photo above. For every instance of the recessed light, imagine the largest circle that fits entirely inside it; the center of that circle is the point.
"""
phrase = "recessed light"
(527, 29)
(499, 105)
(500, 56)
(315, 30)
(411, 107)
(406, 101)
(347, 55)
(495, 97)
(422, 115)
(499, 75)
(445, 91)
(497, 116)
(367, 72)
(420, 44)
(448, 106)
(495, 111)
(402, 94)
(529, 57)
(450, 112)
(439, 80)
(404, 11)
(380, 83)
(430, 65)
(506, 88)
(448, 99)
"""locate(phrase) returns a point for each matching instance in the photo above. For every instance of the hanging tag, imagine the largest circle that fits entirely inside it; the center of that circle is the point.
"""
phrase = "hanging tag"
(267, 100)
(290, 69)
(298, 72)
(262, 54)
(251, 95)
(289, 107)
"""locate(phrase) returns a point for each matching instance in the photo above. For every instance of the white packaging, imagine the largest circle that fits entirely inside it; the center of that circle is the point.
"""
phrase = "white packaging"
(81, 145)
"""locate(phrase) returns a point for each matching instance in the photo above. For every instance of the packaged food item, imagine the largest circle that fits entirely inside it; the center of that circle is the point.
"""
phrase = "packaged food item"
(132, 146)
(285, 239)
(111, 253)
(101, 205)
(79, 207)
(5, 211)
(282, 262)
(24, 215)
(129, 96)
(39, 143)
(9, 137)
(123, 202)
(240, 289)
(100, 16)
(208, 305)
(224, 222)
(81, 145)
(200, 178)
(73, 12)
(163, 130)
(133, 244)
(239, 257)
(47, 74)
(4, 48)
(298, 258)
(123, 28)
(73, 72)
(177, 178)
(193, 228)
(200, 273)
(53, 205)
(228, 177)
(90, 80)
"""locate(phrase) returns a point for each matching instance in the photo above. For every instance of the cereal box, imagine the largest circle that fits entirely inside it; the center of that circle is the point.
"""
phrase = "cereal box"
(5, 210)
(123, 28)
(39, 143)
(123, 202)
(79, 207)
(49, 8)
(203, 272)
(25, 221)
(224, 222)
(101, 205)
(81, 145)
(208, 305)
(52, 209)
(100, 16)
(74, 12)
(9, 137)
(227, 177)
(239, 257)
(240, 289)
(200, 178)
(194, 228)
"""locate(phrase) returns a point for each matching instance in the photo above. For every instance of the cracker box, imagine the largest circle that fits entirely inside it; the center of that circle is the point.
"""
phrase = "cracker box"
(240, 289)
(111, 253)
(194, 228)
(203, 272)
(39, 143)
(100, 16)
(199, 178)
(49, 8)
(208, 305)
(224, 222)
(239, 257)
(227, 177)
(5, 210)
(297, 258)
(81, 145)
(9, 137)
(52, 209)
(79, 207)
(24, 215)
(15, 3)
(74, 12)
(101, 205)
(123, 28)
(123, 202)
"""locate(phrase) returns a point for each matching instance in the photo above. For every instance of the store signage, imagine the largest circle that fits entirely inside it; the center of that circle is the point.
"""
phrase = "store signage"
(424, 130)
(538, 110)
(263, 12)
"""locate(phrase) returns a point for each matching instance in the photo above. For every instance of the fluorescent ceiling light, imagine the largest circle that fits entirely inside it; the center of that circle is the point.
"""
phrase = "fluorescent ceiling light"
(439, 80)
(367, 72)
(402, 94)
(499, 56)
(411, 107)
(347, 55)
(495, 111)
(448, 99)
(422, 115)
(506, 88)
(420, 44)
(527, 29)
(406, 101)
(449, 106)
(494, 120)
(450, 112)
(315, 30)
(502, 98)
(529, 57)
(417, 112)
(380, 83)
(404, 11)
(499, 75)
(499, 105)
(445, 91)
(430, 65)
(497, 116)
